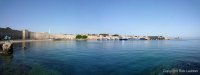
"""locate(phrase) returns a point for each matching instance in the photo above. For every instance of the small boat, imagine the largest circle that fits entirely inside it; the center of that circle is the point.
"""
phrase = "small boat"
(123, 39)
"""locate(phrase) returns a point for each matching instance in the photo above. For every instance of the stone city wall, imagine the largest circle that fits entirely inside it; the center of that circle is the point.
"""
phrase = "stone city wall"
(22, 34)
(62, 36)
(38, 36)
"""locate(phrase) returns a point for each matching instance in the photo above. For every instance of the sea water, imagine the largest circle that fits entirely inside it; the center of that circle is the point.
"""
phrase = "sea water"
(110, 57)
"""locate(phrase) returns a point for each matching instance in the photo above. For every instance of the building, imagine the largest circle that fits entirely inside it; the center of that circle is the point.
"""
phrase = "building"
(156, 38)
(25, 34)
(93, 36)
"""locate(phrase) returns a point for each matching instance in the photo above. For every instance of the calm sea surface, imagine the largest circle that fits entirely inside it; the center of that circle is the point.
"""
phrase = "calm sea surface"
(136, 57)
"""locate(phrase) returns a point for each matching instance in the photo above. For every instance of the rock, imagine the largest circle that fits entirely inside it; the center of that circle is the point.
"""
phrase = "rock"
(1, 47)
(7, 47)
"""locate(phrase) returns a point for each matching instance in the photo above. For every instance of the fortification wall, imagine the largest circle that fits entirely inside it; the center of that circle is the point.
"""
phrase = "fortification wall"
(25, 34)
(62, 36)
(38, 36)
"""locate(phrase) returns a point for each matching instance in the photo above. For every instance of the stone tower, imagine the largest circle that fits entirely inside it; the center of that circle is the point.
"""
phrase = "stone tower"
(24, 34)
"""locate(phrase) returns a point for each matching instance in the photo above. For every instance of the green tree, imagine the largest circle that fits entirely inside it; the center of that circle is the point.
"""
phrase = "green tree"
(78, 36)
(81, 37)
(84, 37)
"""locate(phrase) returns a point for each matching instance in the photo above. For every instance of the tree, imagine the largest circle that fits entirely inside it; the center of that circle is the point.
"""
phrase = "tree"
(84, 37)
(81, 37)
(78, 36)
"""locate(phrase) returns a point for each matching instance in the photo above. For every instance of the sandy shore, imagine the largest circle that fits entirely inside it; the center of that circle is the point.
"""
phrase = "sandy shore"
(18, 41)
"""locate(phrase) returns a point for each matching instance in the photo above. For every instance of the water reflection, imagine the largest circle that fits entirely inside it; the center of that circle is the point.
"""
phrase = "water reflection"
(23, 45)
(6, 58)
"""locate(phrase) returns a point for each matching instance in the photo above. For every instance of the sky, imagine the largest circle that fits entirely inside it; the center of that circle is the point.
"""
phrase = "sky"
(171, 18)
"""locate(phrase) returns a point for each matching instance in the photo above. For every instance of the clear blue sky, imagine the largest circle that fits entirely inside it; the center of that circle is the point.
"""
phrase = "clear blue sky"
(134, 17)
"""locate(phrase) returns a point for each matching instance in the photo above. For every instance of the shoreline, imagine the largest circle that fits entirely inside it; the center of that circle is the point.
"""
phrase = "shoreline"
(19, 41)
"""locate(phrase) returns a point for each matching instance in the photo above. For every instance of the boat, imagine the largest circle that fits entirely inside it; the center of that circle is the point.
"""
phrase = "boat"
(123, 39)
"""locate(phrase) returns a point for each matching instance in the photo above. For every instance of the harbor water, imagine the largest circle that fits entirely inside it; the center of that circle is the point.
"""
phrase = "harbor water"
(131, 57)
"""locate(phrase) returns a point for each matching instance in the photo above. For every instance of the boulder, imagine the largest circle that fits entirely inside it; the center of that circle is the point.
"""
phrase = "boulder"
(7, 47)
